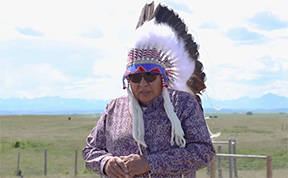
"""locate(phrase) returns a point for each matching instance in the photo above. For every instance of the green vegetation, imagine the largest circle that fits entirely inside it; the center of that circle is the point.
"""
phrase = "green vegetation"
(245, 129)
(30, 135)
(257, 134)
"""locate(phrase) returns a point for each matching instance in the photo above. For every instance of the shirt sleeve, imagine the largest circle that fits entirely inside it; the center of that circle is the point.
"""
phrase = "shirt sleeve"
(198, 151)
(95, 154)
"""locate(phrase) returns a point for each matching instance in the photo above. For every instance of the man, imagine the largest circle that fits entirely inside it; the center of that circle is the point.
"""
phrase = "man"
(158, 130)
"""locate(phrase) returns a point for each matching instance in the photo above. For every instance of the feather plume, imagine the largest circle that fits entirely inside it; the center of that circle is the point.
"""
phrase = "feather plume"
(146, 14)
(164, 15)
(163, 38)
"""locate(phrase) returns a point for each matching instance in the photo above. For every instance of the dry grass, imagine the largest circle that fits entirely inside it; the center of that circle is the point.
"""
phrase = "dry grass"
(260, 134)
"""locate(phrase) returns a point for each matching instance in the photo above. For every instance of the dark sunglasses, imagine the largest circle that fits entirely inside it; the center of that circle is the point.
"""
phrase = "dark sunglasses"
(148, 76)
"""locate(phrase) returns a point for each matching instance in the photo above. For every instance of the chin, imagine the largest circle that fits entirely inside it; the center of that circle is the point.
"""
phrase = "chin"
(144, 102)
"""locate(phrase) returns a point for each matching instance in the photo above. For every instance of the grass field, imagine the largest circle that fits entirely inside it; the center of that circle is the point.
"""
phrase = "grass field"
(30, 135)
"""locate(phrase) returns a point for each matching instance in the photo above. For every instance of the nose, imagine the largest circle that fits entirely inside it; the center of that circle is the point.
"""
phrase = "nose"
(143, 82)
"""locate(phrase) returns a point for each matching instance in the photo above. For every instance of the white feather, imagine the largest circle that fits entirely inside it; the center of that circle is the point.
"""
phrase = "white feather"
(162, 37)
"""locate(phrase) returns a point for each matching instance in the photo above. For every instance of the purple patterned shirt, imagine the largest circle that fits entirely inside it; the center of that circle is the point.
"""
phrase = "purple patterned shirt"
(112, 136)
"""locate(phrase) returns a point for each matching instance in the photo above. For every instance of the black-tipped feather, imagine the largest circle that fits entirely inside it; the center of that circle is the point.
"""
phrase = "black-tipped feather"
(162, 14)
(146, 14)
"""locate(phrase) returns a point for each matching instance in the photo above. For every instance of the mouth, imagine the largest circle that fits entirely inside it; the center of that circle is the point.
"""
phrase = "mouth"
(145, 92)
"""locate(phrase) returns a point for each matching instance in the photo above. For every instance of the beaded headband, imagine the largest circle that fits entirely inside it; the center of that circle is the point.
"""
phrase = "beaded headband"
(143, 60)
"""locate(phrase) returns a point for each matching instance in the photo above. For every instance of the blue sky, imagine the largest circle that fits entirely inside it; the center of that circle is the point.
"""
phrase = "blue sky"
(66, 48)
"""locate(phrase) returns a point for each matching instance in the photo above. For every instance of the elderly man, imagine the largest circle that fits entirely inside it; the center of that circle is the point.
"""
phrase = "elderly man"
(157, 130)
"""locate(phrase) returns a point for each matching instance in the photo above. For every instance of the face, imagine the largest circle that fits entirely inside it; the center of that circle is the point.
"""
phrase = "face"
(145, 91)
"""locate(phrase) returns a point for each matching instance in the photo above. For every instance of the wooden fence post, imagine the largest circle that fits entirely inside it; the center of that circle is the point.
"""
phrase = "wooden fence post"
(212, 168)
(76, 155)
(269, 160)
(235, 159)
(230, 159)
(18, 165)
(269, 166)
(219, 162)
(45, 162)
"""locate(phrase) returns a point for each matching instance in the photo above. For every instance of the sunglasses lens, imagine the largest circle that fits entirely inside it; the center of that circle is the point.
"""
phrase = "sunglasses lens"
(135, 78)
(149, 77)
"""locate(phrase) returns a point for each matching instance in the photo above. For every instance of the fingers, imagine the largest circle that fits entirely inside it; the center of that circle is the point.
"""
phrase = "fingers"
(116, 168)
(122, 165)
(136, 164)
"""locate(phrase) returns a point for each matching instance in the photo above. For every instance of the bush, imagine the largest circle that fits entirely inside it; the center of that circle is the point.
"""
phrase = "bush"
(86, 171)
(29, 144)
(66, 172)
(249, 113)
(17, 173)
(16, 144)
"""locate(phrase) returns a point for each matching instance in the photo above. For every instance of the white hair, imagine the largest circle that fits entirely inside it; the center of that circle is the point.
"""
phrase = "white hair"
(138, 132)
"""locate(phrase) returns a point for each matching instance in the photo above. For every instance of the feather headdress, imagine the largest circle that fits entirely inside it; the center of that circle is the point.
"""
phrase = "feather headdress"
(165, 35)
(162, 45)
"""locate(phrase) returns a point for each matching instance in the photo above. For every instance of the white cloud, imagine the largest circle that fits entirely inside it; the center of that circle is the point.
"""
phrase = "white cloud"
(104, 88)
(31, 80)
(279, 87)
(229, 66)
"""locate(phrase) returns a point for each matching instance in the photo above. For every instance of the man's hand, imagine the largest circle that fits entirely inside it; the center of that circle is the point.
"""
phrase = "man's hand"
(136, 164)
(116, 168)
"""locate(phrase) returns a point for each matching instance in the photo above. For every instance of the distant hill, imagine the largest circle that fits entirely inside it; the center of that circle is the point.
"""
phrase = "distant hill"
(51, 105)
(56, 105)
(268, 102)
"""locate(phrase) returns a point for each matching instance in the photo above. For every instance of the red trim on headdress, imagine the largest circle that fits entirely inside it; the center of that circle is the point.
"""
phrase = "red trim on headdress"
(140, 69)
(127, 73)
(166, 73)
(130, 57)
(156, 70)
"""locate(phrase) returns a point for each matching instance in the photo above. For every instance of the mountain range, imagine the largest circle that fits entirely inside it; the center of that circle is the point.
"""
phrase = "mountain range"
(267, 103)
(57, 105)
